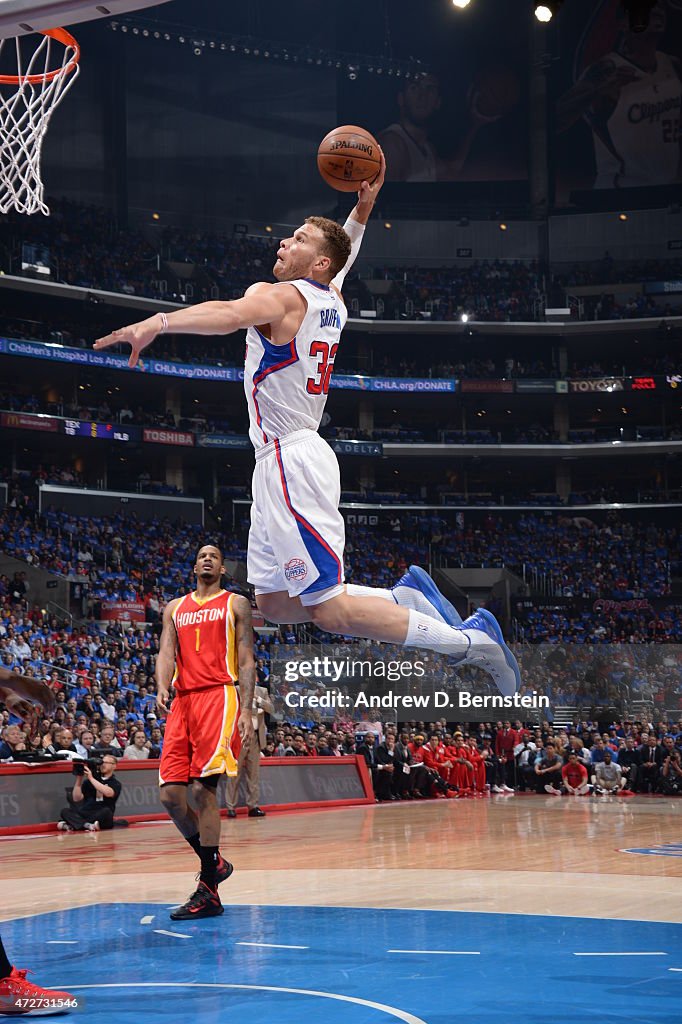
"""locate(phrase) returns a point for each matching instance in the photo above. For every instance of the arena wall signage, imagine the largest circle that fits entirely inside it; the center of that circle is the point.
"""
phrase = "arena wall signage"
(31, 799)
(596, 384)
(662, 287)
(351, 382)
(181, 438)
(536, 387)
(30, 421)
(643, 384)
(154, 435)
(487, 386)
(600, 605)
(369, 448)
(223, 441)
(192, 371)
(408, 385)
(122, 611)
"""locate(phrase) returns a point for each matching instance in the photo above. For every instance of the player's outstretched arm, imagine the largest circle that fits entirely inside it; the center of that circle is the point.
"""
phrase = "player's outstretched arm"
(357, 219)
(367, 195)
(165, 659)
(247, 666)
(262, 304)
(20, 693)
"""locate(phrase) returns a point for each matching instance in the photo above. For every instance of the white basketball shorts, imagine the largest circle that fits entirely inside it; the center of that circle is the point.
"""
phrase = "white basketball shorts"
(297, 533)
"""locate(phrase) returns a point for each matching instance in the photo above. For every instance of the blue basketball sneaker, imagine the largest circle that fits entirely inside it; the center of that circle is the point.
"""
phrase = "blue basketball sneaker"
(417, 590)
(489, 651)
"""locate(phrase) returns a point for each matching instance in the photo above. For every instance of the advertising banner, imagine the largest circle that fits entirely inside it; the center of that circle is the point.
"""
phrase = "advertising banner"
(157, 435)
(486, 386)
(662, 287)
(596, 384)
(535, 387)
(36, 795)
(223, 441)
(193, 371)
(370, 448)
(122, 611)
(30, 421)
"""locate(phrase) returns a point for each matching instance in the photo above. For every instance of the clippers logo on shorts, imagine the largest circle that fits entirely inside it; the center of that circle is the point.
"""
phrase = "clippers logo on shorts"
(295, 569)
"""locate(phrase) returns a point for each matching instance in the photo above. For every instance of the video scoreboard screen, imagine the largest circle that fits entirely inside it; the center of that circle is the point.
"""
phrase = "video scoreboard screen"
(102, 431)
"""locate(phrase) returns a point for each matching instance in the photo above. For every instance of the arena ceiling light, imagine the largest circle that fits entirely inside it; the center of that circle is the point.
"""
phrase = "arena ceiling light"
(256, 48)
(545, 12)
(461, 4)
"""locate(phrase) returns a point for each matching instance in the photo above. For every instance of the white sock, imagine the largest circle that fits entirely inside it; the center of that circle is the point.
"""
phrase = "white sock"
(426, 632)
(354, 590)
(407, 597)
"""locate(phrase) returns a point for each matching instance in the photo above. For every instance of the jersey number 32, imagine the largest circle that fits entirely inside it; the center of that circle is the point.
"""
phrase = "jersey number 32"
(319, 385)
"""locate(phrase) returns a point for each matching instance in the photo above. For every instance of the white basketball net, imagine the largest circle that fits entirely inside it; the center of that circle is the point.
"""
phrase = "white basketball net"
(26, 106)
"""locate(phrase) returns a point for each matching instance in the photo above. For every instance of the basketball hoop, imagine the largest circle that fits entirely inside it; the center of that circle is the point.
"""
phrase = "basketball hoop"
(28, 97)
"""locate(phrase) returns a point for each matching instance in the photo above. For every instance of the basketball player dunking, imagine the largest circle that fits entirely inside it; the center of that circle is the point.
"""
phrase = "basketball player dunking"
(19, 997)
(297, 536)
(206, 647)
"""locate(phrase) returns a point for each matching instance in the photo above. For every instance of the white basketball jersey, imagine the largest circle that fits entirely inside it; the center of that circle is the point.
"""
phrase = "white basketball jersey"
(422, 157)
(286, 385)
(640, 142)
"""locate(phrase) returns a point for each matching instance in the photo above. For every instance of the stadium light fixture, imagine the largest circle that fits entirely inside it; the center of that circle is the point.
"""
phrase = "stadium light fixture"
(461, 4)
(545, 11)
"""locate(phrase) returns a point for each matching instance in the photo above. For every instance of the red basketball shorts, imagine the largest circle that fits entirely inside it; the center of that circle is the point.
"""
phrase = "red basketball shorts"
(201, 736)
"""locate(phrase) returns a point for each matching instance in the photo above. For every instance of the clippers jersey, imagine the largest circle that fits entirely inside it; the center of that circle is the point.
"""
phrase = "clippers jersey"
(286, 385)
(206, 655)
(639, 143)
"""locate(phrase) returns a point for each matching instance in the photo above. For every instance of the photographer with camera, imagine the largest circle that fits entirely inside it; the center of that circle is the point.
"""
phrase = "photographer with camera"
(94, 797)
(671, 773)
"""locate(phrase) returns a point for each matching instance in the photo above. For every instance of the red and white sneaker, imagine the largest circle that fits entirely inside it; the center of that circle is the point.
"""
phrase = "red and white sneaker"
(21, 998)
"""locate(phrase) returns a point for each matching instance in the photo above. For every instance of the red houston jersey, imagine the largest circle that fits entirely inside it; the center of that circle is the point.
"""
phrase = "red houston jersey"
(207, 647)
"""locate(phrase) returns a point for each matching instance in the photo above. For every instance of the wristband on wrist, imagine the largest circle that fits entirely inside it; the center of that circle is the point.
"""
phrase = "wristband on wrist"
(164, 323)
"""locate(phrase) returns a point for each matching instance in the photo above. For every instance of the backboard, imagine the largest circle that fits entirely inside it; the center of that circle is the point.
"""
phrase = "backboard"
(19, 17)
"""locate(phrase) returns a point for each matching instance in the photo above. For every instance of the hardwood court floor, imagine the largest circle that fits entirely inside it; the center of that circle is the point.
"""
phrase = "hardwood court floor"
(511, 855)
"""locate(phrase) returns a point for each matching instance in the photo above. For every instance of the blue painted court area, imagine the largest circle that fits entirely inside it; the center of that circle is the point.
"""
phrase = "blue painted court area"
(350, 966)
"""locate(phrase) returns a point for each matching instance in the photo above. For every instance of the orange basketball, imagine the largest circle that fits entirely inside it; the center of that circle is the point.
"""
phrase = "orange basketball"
(348, 156)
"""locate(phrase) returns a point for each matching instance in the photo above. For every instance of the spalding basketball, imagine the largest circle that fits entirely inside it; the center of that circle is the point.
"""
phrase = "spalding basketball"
(348, 156)
(495, 92)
